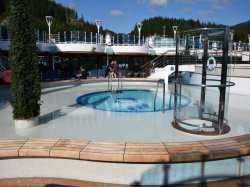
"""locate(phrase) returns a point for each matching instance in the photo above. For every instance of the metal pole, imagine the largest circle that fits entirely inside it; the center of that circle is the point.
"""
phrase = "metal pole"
(98, 24)
(107, 59)
(49, 35)
(175, 29)
(248, 39)
(49, 20)
(204, 75)
(53, 63)
(139, 26)
(43, 36)
(200, 42)
(235, 48)
(193, 43)
(163, 107)
(45, 39)
(38, 37)
(2, 34)
(176, 74)
(223, 80)
(139, 39)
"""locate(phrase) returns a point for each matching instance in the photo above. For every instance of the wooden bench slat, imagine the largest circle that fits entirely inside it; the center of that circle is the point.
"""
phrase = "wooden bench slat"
(146, 158)
(188, 151)
(144, 145)
(146, 151)
(102, 156)
(127, 152)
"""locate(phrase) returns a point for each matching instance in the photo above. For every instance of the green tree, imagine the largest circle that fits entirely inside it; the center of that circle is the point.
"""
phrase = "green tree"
(26, 90)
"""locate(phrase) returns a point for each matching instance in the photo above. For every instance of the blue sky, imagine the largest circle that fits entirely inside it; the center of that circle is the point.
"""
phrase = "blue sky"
(122, 15)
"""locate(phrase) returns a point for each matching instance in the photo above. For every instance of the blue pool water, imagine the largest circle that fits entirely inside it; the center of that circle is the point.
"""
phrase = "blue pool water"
(129, 101)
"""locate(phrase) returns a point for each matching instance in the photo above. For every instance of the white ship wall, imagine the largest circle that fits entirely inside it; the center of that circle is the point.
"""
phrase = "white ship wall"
(121, 49)
(71, 47)
(239, 74)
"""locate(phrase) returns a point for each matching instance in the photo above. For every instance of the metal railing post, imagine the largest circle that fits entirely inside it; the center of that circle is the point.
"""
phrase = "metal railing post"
(163, 102)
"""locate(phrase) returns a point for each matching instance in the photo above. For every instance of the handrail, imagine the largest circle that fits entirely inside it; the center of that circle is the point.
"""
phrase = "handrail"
(156, 58)
(119, 82)
(120, 86)
(156, 93)
(170, 97)
(159, 61)
(110, 82)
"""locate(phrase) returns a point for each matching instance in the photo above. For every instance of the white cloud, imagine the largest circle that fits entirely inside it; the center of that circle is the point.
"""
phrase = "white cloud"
(117, 12)
(205, 12)
(187, 1)
(153, 3)
(72, 5)
(186, 10)
(220, 1)
(203, 1)
(217, 7)
(214, 5)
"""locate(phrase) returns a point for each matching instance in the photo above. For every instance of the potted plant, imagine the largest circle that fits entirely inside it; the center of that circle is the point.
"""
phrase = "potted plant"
(25, 87)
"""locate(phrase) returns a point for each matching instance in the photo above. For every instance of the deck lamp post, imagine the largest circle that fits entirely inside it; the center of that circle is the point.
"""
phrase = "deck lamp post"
(98, 24)
(239, 46)
(139, 26)
(235, 46)
(164, 29)
(49, 20)
(175, 30)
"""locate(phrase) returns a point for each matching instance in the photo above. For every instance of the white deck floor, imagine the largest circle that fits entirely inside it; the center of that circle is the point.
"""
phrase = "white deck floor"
(61, 117)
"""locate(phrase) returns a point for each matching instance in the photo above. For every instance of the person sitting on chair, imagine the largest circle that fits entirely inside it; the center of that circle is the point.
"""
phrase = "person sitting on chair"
(82, 74)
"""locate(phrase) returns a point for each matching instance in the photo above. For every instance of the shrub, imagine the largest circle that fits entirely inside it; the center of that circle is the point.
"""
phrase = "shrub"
(26, 90)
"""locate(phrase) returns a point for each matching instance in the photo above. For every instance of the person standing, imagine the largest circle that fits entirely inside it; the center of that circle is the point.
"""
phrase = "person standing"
(108, 70)
(6, 76)
(115, 69)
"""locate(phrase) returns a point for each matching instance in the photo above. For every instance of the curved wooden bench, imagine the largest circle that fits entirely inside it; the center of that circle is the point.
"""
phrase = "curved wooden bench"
(162, 152)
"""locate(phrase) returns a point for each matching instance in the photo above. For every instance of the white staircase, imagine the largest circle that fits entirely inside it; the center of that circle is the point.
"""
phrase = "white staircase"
(163, 73)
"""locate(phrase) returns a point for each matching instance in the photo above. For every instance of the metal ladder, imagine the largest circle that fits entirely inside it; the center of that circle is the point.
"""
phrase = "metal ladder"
(160, 81)
(119, 83)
